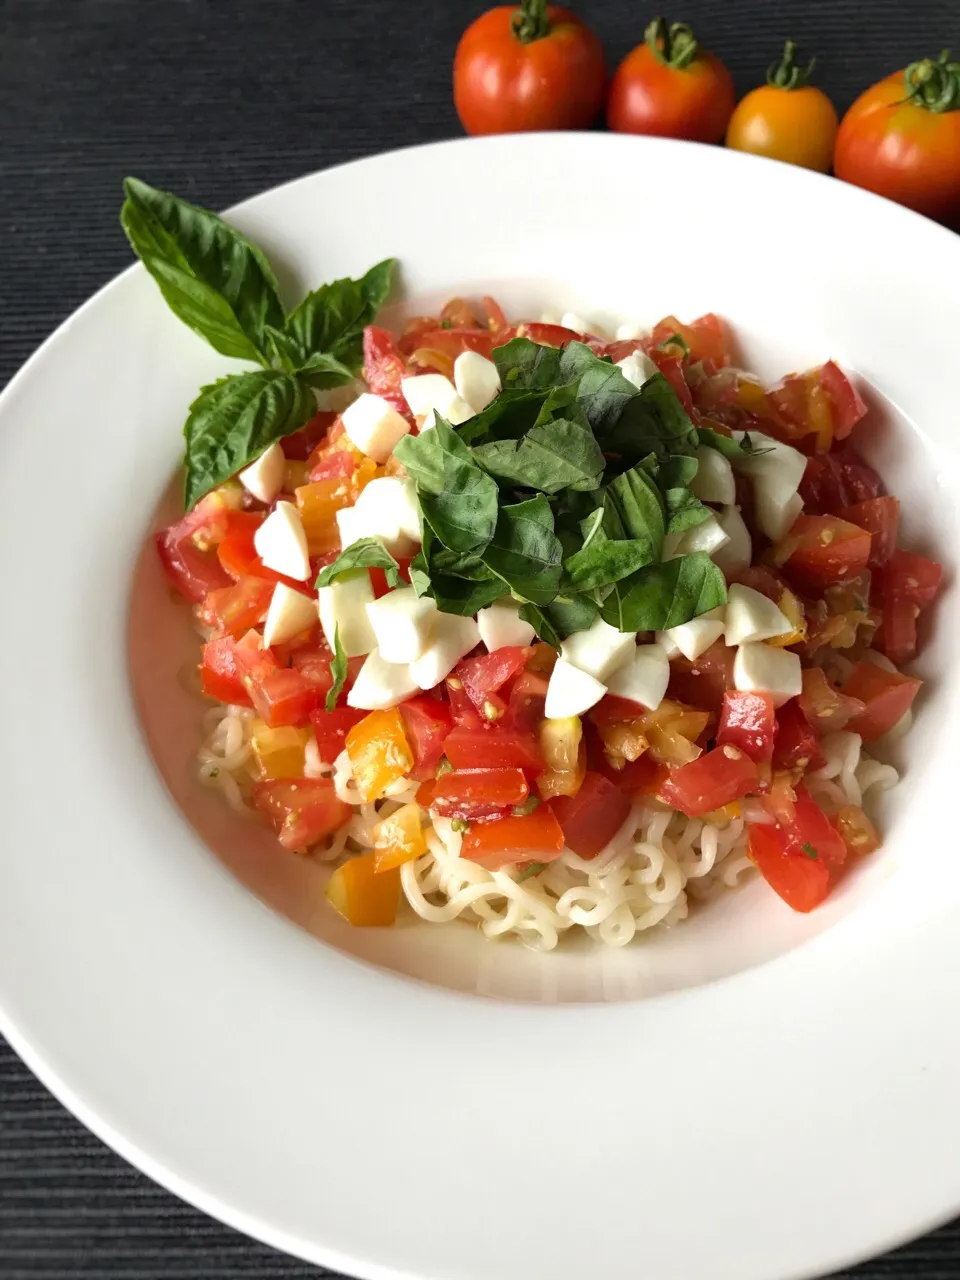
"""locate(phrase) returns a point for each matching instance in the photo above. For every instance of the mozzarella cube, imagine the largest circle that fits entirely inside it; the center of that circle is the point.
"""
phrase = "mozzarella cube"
(759, 668)
(352, 527)
(696, 636)
(451, 640)
(776, 473)
(426, 391)
(570, 320)
(774, 517)
(667, 643)
(637, 368)
(736, 554)
(380, 685)
(706, 536)
(644, 678)
(457, 411)
(387, 508)
(714, 480)
(290, 613)
(571, 691)
(630, 331)
(402, 623)
(501, 624)
(599, 650)
(343, 608)
(477, 379)
(264, 478)
(281, 543)
(374, 426)
(752, 617)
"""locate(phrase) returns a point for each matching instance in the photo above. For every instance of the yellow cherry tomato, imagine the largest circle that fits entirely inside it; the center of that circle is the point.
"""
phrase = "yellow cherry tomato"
(787, 118)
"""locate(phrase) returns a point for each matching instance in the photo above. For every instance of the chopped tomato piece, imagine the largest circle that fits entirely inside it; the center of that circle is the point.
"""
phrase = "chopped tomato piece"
(279, 694)
(301, 810)
(826, 708)
(462, 710)
(670, 362)
(399, 838)
(565, 756)
(549, 335)
(439, 348)
(221, 676)
(636, 778)
(496, 320)
(484, 675)
(330, 729)
(475, 794)
(338, 465)
(534, 837)
(364, 896)
(887, 697)
(279, 753)
(714, 780)
(427, 722)
(748, 721)
(801, 858)
(909, 577)
(704, 682)
(796, 746)
(496, 747)
(238, 555)
(235, 609)
(591, 818)
(822, 402)
(707, 338)
(821, 550)
(379, 752)
(528, 697)
(856, 830)
(881, 519)
(384, 366)
(298, 446)
(187, 549)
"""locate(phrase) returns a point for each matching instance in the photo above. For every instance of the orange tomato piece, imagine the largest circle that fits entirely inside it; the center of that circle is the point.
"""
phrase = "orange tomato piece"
(279, 753)
(856, 830)
(364, 896)
(379, 752)
(399, 838)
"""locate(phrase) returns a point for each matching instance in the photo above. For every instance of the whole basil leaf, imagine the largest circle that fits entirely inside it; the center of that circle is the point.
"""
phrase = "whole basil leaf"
(554, 622)
(522, 363)
(459, 583)
(676, 472)
(338, 670)
(525, 552)
(367, 553)
(662, 596)
(232, 421)
(604, 562)
(558, 452)
(508, 417)
(684, 511)
(604, 392)
(210, 275)
(330, 321)
(652, 421)
(637, 504)
(457, 498)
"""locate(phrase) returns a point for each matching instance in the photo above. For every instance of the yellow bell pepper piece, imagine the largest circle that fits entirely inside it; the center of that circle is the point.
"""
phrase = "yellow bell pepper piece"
(361, 895)
(279, 753)
(379, 752)
(398, 838)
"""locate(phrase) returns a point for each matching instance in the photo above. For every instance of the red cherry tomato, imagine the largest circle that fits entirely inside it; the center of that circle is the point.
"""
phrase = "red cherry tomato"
(901, 138)
(530, 67)
(671, 87)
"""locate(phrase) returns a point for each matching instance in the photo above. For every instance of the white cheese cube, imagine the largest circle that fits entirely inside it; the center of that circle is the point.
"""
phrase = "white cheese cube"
(380, 685)
(759, 668)
(571, 691)
(402, 623)
(736, 554)
(352, 526)
(599, 650)
(644, 678)
(264, 478)
(426, 391)
(706, 536)
(776, 467)
(637, 368)
(290, 613)
(457, 411)
(696, 636)
(667, 643)
(570, 320)
(387, 508)
(752, 617)
(281, 543)
(477, 379)
(714, 480)
(451, 640)
(501, 624)
(374, 426)
(775, 517)
(630, 331)
(343, 607)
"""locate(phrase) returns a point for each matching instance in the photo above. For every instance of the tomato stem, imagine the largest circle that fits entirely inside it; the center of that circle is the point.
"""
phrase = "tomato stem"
(674, 44)
(787, 73)
(934, 83)
(530, 22)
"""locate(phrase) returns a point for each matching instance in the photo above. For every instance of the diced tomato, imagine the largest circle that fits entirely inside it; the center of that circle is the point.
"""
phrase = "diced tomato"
(716, 779)
(427, 722)
(534, 837)
(822, 487)
(280, 695)
(238, 555)
(856, 830)
(442, 346)
(496, 320)
(484, 675)
(799, 859)
(897, 637)
(704, 682)
(462, 710)
(235, 609)
(826, 708)
(670, 362)
(298, 446)
(641, 777)
(301, 810)
(846, 404)
(858, 479)
(528, 697)
(220, 673)
(187, 549)
(496, 747)
(796, 746)
(881, 519)
(821, 402)
(330, 728)
(384, 366)
(748, 721)
(592, 817)
(707, 338)
(475, 794)
(822, 550)
(339, 465)
(887, 697)
(910, 577)
(379, 752)
(378, 577)
(761, 578)
(549, 335)
(399, 838)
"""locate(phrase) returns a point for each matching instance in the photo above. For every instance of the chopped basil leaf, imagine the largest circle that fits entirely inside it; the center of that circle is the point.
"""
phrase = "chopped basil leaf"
(459, 824)
(809, 850)
(457, 498)
(368, 553)
(662, 596)
(525, 552)
(530, 870)
(338, 669)
(528, 806)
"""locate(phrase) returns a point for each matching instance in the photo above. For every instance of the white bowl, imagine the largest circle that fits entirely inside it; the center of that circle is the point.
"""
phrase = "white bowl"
(781, 1101)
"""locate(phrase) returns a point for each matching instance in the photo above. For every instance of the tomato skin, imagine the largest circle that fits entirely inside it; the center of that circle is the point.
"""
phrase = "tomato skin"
(887, 696)
(881, 519)
(592, 817)
(647, 96)
(187, 549)
(427, 722)
(535, 837)
(902, 587)
(796, 746)
(827, 709)
(301, 810)
(220, 674)
(798, 126)
(748, 721)
(503, 85)
(902, 150)
(527, 705)
(496, 747)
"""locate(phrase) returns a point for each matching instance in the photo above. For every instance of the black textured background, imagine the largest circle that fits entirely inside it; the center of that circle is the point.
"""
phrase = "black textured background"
(218, 99)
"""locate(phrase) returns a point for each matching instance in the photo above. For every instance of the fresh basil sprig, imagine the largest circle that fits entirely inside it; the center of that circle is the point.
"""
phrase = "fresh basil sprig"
(220, 284)
(366, 553)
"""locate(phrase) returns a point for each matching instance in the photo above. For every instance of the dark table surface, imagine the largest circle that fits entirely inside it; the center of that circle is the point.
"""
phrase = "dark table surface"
(217, 101)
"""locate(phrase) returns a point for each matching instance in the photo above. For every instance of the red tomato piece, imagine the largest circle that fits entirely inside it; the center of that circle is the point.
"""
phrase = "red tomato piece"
(704, 682)
(301, 810)
(909, 577)
(534, 837)
(298, 446)
(881, 519)
(716, 779)
(238, 555)
(339, 465)
(528, 697)
(799, 859)
(826, 708)
(330, 728)
(187, 549)
(822, 402)
(824, 550)
(707, 338)
(748, 721)
(235, 609)
(796, 746)
(384, 366)
(494, 747)
(281, 695)
(476, 794)
(859, 480)
(887, 697)
(220, 673)
(592, 817)
(483, 676)
(462, 710)
(427, 722)
(549, 335)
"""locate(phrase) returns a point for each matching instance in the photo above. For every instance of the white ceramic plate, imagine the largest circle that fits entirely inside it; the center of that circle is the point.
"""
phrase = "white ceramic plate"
(756, 1095)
